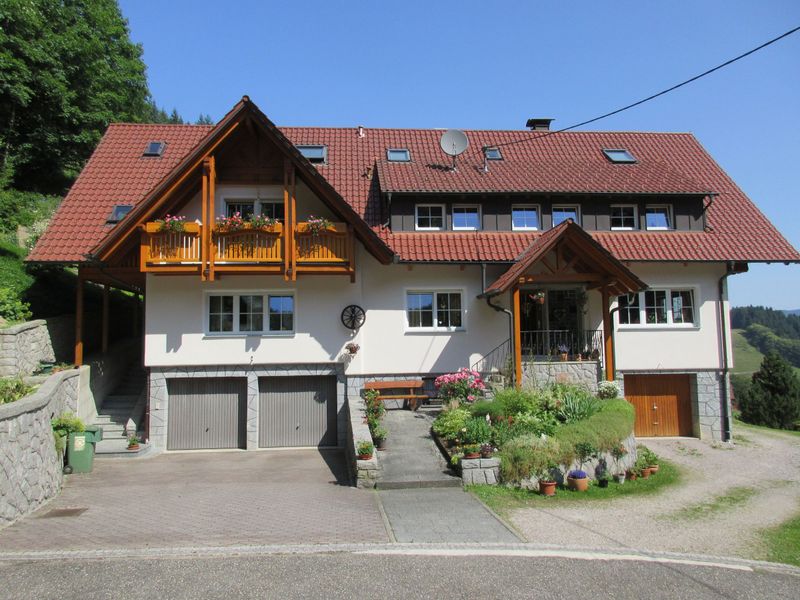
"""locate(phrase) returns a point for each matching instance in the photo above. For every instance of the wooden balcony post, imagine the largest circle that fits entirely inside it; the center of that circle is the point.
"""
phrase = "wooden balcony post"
(209, 228)
(104, 324)
(517, 339)
(79, 320)
(293, 183)
(205, 218)
(608, 338)
(288, 231)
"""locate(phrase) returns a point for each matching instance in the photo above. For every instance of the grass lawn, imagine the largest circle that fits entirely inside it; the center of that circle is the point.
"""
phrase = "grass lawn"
(732, 498)
(783, 542)
(503, 500)
(741, 425)
(746, 357)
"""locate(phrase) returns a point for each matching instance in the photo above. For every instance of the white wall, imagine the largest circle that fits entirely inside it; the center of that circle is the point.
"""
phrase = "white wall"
(699, 347)
(175, 321)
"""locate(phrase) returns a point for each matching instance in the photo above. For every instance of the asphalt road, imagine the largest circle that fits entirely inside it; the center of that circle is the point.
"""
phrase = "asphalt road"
(439, 574)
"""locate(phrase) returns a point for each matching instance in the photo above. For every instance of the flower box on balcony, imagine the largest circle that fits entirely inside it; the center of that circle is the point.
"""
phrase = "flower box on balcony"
(276, 228)
(155, 227)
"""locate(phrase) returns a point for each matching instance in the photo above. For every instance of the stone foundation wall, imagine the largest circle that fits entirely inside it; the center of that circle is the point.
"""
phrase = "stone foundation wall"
(159, 400)
(23, 347)
(480, 470)
(364, 472)
(580, 372)
(30, 465)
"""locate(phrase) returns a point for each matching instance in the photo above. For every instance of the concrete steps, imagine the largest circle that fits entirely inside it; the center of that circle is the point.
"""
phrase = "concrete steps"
(121, 412)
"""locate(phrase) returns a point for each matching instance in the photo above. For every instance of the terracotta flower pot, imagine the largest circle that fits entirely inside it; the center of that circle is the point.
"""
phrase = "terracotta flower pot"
(547, 488)
(578, 485)
(472, 455)
(646, 473)
(653, 469)
(564, 357)
(133, 448)
(631, 475)
(364, 456)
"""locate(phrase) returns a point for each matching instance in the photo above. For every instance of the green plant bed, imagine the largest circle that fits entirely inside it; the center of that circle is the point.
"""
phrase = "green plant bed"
(503, 499)
(783, 542)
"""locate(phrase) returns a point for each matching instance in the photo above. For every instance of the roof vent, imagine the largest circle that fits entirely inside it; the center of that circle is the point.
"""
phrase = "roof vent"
(361, 133)
(539, 124)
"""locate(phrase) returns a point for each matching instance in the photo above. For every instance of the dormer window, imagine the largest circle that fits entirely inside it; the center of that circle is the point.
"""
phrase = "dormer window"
(154, 149)
(619, 155)
(398, 155)
(119, 212)
(562, 213)
(429, 217)
(466, 218)
(316, 154)
(493, 154)
(658, 217)
(623, 217)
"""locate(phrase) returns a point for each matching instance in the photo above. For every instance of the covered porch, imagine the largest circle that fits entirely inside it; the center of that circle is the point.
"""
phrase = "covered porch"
(560, 291)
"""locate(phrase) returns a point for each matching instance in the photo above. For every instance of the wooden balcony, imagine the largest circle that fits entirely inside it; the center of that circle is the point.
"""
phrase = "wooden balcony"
(260, 251)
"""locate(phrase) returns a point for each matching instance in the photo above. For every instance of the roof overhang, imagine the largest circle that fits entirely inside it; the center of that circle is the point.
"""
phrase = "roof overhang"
(581, 258)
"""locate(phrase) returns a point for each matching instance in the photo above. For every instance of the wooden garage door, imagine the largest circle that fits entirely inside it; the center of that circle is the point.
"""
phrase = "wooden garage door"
(663, 404)
(206, 413)
(296, 411)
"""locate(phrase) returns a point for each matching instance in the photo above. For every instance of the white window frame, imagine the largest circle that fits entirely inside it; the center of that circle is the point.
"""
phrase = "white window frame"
(236, 294)
(635, 217)
(670, 324)
(535, 207)
(434, 328)
(670, 217)
(416, 217)
(577, 208)
(477, 207)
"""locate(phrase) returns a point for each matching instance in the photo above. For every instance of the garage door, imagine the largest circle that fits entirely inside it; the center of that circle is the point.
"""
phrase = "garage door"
(663, 404)
(296, 411)
(206, 413)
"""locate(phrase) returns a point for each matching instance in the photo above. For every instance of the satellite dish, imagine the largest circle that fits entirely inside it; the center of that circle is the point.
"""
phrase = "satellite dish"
(453, 143)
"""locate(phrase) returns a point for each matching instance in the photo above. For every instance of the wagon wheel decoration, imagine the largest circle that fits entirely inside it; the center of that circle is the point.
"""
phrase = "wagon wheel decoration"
(353, 316)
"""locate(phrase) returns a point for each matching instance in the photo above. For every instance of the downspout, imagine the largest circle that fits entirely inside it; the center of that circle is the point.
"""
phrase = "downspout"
(499, 309)
(726, 417)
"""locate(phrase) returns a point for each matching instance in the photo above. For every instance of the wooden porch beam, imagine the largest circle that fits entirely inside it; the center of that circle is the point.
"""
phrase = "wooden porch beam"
(104, 321)
(293, 184)
(608, 337)
(288, 234)
(517, 339)
(79, 321)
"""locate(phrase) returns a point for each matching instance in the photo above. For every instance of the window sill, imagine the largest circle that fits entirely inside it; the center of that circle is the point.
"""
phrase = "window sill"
(659, 327)
(429, 330)
(254, 334)
(524, 229)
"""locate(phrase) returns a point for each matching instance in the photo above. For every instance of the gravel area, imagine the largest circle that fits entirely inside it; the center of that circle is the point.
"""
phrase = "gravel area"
(765, 461)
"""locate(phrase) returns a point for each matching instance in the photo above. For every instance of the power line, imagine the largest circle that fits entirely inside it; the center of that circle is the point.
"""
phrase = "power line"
(661, 93)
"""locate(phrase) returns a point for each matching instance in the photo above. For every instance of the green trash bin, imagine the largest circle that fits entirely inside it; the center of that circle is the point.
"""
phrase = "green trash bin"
(80, 449)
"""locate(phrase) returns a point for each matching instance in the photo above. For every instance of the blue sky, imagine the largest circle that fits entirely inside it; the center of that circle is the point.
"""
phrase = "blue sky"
(493, 65)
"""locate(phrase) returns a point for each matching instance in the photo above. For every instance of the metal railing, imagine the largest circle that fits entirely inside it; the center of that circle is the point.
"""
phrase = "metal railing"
(498, 360)
(544, 344)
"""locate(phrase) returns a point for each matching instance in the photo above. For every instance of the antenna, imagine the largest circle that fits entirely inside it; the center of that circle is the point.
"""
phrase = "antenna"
(453, 143)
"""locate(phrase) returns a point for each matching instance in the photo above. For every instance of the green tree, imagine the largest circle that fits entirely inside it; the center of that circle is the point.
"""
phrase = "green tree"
(204, 119)
(67, 69)
(773, 398)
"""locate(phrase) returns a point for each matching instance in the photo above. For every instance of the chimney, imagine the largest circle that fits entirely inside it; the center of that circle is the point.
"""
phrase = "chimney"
(539, 124)
(360, 130)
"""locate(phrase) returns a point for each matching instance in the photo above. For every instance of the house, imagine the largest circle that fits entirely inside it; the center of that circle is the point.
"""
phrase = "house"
(379, 256)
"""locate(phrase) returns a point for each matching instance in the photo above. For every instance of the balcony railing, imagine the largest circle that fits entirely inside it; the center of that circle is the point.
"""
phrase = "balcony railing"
(331, 250)
(544, 344)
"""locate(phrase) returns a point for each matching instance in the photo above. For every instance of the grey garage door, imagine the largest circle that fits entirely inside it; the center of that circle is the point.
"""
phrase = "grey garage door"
(296, 411)
(206, 413)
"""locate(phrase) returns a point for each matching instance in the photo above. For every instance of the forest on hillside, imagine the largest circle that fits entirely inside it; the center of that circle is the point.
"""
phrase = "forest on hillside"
(769, 330)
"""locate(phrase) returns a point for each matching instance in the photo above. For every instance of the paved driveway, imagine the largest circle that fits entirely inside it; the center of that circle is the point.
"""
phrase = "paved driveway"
(204, 499)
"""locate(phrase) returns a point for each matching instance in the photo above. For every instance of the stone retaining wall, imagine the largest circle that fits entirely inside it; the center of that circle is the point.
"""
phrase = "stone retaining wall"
(365, 472)
(480, 470)
(30, 466)
(580, 372)
(23, 347)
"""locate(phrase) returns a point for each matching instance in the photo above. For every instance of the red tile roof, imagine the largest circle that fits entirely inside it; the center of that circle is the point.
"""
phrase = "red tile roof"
(668, 163)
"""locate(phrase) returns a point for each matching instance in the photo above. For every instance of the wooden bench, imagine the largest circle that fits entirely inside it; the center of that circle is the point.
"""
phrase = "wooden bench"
(411, 391)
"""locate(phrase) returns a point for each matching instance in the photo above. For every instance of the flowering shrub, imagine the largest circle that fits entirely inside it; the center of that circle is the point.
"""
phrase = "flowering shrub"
(577, 474)
(233, 223)
(318, 224)
(450, 424)
(262, 222)
(171, 223)
(465, 386)
(608, 390)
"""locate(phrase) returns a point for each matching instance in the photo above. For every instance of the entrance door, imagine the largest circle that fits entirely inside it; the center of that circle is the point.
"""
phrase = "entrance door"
(663, 404)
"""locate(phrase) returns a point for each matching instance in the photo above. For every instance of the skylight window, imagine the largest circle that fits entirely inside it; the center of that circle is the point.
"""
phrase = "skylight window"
(619, 155)
(493, 154)
(398, 155)
(316, 154)
(154, 148)
(119, 212)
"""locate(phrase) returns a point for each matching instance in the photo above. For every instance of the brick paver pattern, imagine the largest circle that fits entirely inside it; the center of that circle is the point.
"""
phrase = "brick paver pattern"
(205, 499)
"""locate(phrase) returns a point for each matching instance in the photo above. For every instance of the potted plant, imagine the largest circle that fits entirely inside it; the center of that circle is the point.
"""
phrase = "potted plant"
(650, 457)
(547, 485)
(601, 473)
(537, 296)
(379, 435)
(171, 223)
(563, 350)
(233, 223)
(642, 467)
(617, 452)
(578, 480)
(317, 225)
(487, 450)
(352, 349)
(472, 451)
(262, 222)
(364, 449)
(133, 443)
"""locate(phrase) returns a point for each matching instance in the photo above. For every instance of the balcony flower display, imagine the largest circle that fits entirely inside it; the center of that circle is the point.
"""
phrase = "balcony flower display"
(316, 225)
(171, 223)
(465, 385)
(233, 223)
(262, 222)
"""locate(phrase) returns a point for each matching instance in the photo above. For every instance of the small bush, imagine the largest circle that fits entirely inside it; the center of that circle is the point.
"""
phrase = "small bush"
(528, 456)
(12, 308)
(608, 390)
(465, 386)
(12, 390)
(450, 424)
(478, 431)
(512, 401)
(68, 423)
(577, 406)
(481, 408)
(773, 397)
(648, 456)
